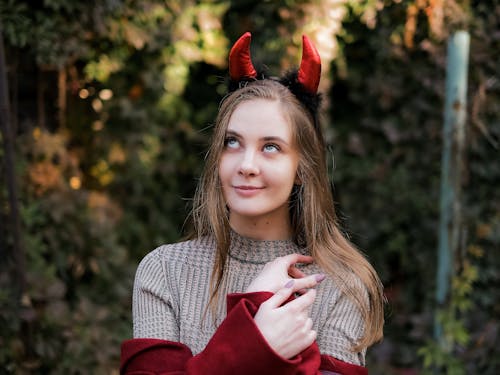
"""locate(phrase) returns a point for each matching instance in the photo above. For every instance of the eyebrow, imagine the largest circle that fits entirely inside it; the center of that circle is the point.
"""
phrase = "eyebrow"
(271, 138)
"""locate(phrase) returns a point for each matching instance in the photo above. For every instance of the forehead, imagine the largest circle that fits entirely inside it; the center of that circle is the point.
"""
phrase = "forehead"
(261, 117)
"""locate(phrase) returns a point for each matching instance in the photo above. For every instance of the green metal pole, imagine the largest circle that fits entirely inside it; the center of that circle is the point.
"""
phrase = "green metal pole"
(452, 165)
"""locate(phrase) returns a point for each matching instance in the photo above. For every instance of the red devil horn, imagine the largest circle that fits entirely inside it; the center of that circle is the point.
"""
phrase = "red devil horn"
(240, 62)
(310, 66)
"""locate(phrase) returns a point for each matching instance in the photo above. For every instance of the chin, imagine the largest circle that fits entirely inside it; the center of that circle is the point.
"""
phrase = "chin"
(248, 214)
(253, 212)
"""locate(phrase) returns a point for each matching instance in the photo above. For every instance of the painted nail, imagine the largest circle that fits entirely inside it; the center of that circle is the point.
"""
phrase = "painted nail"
(289, 284)
(320, 277)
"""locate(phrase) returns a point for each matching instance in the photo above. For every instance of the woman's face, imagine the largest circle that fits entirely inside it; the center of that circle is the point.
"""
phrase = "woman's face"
(258, 165)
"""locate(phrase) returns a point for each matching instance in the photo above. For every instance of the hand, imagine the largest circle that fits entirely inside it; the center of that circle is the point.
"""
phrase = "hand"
(277, 273)
(288, 328)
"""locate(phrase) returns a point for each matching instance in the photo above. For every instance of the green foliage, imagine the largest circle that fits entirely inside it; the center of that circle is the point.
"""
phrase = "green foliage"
(105, 186)
(113, 110)
(58, 31)
(386, 110)
(72, 299)
(441, 356)
(15, 22)
(435, 358)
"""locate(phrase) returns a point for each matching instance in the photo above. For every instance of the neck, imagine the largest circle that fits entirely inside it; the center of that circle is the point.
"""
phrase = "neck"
(261, 228)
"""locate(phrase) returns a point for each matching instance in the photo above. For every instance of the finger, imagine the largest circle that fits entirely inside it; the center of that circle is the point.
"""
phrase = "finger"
(281, 295)
(291, 259)
(301, 291)
(295, 272)
(292, 286)
(308, 324)
(302, 302)
(311, 337)
(308, 282)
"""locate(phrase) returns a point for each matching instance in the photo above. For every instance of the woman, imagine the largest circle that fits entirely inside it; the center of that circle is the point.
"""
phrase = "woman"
(300, 299)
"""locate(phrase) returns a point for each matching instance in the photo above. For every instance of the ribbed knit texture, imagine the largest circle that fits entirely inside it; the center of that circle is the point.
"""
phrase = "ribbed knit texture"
(171, 292)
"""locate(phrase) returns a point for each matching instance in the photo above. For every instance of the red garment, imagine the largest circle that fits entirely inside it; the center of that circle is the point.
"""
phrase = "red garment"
(237, 347)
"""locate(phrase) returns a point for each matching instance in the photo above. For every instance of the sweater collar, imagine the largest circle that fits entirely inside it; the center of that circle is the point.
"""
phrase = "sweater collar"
(249, 250)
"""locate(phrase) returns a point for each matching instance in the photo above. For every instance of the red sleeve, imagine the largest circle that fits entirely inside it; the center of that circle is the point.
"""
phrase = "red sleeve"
(153, 356)
(331, 366)
(237, 347)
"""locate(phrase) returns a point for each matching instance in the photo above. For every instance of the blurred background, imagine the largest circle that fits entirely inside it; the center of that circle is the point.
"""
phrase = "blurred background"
(110, 105)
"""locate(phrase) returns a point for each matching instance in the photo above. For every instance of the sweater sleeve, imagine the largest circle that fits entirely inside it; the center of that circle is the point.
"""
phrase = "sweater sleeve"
(341, 330)
(154, 314)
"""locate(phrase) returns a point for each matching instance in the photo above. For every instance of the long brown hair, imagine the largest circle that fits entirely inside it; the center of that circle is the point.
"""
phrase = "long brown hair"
(312, 212)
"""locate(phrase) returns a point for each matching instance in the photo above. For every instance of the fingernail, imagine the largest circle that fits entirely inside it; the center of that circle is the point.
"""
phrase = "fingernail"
(320, 277)
(289, 284)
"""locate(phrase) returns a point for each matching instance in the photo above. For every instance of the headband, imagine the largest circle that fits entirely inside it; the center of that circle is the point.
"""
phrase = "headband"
(303, 83)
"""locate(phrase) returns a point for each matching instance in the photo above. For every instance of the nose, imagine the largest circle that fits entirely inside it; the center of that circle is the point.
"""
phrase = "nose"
(248, 165)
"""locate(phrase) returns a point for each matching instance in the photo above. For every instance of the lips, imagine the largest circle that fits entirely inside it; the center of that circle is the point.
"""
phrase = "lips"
(247, 190)
(245, 187)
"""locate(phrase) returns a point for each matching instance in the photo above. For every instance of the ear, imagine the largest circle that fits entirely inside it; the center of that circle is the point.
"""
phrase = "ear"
(298, 180)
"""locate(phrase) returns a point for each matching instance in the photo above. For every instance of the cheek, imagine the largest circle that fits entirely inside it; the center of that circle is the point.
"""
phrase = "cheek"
(293, 169)
(285, 175)
(224, 169)
(298, 174)
(222, 180)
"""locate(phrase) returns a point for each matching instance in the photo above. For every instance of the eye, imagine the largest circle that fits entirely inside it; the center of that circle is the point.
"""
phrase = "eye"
(271, 147)
(231, 142)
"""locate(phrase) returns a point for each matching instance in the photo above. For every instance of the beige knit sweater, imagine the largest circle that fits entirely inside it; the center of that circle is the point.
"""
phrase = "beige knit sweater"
(171, 291)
